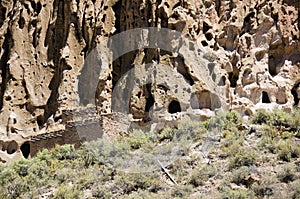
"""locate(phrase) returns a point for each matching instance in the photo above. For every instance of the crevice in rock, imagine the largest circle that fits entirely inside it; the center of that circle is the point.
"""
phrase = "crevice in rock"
(59, 37)
(247, 25)
(218, 6)
(3, 64)
(2, 14)
(122, 65)
(178, 62)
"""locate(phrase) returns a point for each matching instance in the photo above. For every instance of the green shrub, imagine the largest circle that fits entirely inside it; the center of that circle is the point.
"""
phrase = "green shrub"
(165, 134)
(101, 192)
(242, 158)
(295, 189)
(179, 169)
(64, 152)
(237, 194)
(281, 118)
(225, 121)
(232, 138)
(137, 139)
(295, 121)
(181, 191)
(267, 143)
(129, 182)
(233, 149)
(240, 175)
(287, 174)
(262, 117)
(199, 177)
(11, 183)
(286, 150)
(67, 192)
(188, 129)
(264, 187)
(278, 118)
(270, 131)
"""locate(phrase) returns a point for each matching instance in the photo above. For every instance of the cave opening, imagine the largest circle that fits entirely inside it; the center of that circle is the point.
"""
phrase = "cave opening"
(25, 149)
(174, 107)
(40, 120)
(12, 147)
(295, 94)
(265, 98)
(149, 98)
(233, 78)
(272, 66)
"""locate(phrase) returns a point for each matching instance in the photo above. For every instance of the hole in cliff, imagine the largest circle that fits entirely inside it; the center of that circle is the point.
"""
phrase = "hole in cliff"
(103, 19)
(222, 81)
(247, 26)
(296, 93)
(7, 98)
(233, 77)
(209, 36)
(25, 149)
(206, 27)
(167, 5)
(265, 98)
(12, 147)
(21, 22)
(272, 66)
(275, 17)
(175, 16)
(204, 43)
(174, 107)
(149, 98)
(259, 55)
(248, 112)
(40, 120)
(38, 8)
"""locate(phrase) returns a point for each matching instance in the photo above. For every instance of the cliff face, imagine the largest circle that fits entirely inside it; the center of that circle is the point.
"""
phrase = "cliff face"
(254, 45)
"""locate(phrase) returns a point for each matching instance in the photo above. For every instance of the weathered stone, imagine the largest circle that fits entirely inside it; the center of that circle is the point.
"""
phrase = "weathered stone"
(250, 52)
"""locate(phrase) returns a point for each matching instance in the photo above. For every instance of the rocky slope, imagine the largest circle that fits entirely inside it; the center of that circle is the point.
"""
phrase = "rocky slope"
(253, 50)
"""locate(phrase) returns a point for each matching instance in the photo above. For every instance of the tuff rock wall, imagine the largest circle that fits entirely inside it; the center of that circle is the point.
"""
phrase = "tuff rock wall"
(253, 46)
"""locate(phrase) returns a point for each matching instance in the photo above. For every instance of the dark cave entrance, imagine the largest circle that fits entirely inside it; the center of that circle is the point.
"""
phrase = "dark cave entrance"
(150, 99)
(265, 98)
(12, 147)
(233, 78)
(295, 95)
(174, 107)
(25, 149)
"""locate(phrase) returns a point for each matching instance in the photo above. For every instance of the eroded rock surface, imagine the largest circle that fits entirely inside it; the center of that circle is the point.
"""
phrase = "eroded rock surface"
(250, 49)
